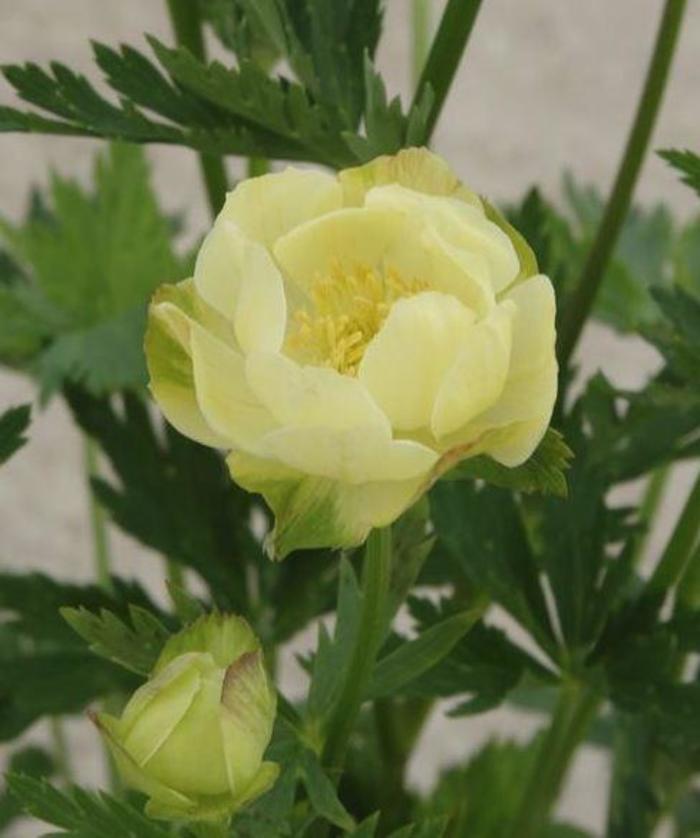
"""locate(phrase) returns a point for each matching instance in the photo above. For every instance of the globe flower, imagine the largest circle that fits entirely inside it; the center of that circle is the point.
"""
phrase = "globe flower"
(192, 738)
(349, 338)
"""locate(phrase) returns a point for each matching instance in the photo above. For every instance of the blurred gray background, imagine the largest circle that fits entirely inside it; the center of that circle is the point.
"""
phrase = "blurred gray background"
(546, 85)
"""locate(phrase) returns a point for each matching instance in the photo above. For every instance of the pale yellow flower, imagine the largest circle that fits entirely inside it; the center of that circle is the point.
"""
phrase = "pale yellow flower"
(349, 338)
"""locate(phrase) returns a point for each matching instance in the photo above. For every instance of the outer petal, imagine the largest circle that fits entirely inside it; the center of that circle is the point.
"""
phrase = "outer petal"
(513, 445)
(463, 225)
(416, 168)
(478, 375)
(351, 455)
(307, 396)
(172, 314)
(237, 276)
(404, 365)
(267, 207)
(246, 719)
(317, 512)
(224, 397)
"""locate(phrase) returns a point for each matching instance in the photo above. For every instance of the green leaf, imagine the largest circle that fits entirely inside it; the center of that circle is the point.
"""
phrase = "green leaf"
(425, 828)
(32, 761)
(687, 163)
(89, 267)
(45, 669)
(543, 472)
(13, 425)
(414, 657)
(366, 829)
(82, 814)
(321, 791)
(332, 655)
(482, 534)
(135, 646)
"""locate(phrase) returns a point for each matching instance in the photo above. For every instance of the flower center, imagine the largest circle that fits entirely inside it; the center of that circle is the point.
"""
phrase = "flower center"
(348, 308)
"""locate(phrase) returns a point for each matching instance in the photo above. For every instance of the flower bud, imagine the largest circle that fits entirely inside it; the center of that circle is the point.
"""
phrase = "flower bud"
(193, 736)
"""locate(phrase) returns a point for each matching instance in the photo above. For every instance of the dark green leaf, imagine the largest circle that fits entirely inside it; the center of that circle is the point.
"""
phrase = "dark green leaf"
(32, 761)
(687, 163)
(13, 426)
(81, 814)
(321, 791)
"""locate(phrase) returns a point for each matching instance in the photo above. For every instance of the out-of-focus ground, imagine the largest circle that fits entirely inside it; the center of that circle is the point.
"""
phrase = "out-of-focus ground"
(545, 86)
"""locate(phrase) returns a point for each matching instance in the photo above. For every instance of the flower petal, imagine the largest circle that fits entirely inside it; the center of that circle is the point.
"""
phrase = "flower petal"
(352, 455)
(306, 396)
(168, 356)
(317, 512)
(514, 444)
(237, 276)
(227, 402)
(267, 207)
(463, 225)
(405, 363)
(415, 168)
(477, 377)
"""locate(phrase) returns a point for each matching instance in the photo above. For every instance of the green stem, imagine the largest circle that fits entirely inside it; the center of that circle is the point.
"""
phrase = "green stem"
(581, 301)
(575, 708)
(420, 37)
(219, 829)
(445, 54)
(375, 587)
(680, 547)
(98, 518)
(61, 751)
(187, 26)
(258, 166)
(653, 495)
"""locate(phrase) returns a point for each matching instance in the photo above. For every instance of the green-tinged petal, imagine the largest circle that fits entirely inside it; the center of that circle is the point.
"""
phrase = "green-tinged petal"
(306, 396)
(237, 276)
(179, 805)
(263, 781)
(157, 707)
(167, 345)
(462, 225)
(317, 512)
(526, 257)
(224, 636)
(267, 207)
(246, 719)
(405, 363)
(228, 404)
(415, 168)
(477, 377)
(191, 759)
(352, 455)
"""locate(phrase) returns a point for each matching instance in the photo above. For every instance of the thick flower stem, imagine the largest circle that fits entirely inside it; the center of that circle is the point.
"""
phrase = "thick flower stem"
(653, 495)
(420, 37)
(445, 55)
(680, 547)
(61, 751)
(581, 300)
(575, 709)
(187, 26)
(375, 586)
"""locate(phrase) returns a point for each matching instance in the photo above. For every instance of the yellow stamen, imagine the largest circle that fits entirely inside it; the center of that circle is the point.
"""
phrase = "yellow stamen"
(348, 308)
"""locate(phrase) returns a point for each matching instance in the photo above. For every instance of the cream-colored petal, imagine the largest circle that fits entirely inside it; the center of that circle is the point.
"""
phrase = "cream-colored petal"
(463, 225)
(415, 168)
(514, 444)
(351, 455)
(405, 363)
(168, 357)
(477, 377)
(237, 276)
(224, 397)
(267, 207)
(318, 512)
(308, 396)
(342, 240)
